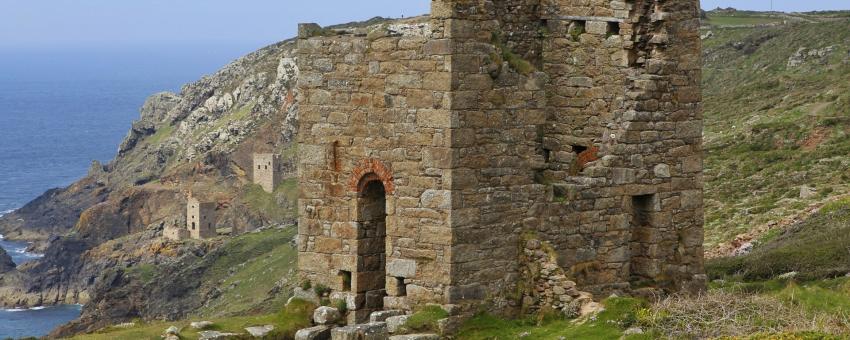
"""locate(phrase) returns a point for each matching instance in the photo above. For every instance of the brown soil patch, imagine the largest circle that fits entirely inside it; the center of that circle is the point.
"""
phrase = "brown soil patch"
(817, 137)
(728, 249)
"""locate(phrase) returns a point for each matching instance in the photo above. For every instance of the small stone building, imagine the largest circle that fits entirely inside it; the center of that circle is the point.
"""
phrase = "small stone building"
(266, 171)
(431, 151)
(176, 233)
(200, 219)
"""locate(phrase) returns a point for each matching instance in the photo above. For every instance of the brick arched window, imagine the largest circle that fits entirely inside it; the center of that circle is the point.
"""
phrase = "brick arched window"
(370, 170)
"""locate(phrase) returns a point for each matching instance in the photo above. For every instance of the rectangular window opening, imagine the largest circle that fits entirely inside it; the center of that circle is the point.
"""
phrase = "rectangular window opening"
(345, 278)
(547, 155)
(401, 286)
(613, 28)
(642, 207)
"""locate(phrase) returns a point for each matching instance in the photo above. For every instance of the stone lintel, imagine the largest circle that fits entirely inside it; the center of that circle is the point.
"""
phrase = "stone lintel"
(585, 18)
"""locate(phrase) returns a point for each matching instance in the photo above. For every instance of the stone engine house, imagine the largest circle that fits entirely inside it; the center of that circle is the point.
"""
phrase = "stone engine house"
(200, 219)
(266, 171)
(428, 156)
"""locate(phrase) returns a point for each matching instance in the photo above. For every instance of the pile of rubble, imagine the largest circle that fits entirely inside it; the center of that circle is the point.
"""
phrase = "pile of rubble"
(382, 325)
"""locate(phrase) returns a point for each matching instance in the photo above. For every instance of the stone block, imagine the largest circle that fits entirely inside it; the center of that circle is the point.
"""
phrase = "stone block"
(597, 27)
(326, 315)
(415, 337)
(394, 323)
(314, 333)
(382, 316)
(369, 331)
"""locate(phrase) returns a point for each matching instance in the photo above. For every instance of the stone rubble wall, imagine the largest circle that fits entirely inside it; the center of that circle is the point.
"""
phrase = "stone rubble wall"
(548, 288)
(374, 102)
(576, 121)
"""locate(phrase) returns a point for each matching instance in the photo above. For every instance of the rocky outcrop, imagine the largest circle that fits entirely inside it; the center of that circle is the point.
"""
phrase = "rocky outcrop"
(200, 140)
(6, 263)
(804, 54)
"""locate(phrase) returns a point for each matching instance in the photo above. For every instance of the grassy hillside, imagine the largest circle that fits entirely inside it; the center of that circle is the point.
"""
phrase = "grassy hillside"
(772, 129)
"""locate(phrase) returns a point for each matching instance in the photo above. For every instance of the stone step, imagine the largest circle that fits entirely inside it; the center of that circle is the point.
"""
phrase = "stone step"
(381, 316)
(415, 337)
(314, 333)
(394, 323)
(368, 331)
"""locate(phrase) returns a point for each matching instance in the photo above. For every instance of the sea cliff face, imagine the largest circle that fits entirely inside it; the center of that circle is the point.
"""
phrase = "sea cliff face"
(198, 141)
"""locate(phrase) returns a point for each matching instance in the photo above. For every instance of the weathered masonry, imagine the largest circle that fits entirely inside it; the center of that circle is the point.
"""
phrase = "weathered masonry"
(200, 219)
(266, 171)
(430, 151)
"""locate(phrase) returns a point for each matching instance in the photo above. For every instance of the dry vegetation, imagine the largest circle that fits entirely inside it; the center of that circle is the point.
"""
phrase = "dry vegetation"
(720, 313)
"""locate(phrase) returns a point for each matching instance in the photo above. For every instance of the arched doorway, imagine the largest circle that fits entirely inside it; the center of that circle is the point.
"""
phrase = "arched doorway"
(371, 241)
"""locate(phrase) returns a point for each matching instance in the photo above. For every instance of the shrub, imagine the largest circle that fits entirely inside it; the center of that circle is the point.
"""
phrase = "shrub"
(340, 305)
(321, 290)
(306, 285)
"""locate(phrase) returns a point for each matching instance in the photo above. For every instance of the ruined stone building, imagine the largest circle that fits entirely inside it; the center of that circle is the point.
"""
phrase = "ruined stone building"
(431, 152)
(267, 171)
(176, 233)
(200, 219)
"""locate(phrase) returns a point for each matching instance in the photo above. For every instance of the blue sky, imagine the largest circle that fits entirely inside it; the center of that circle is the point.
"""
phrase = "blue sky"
(137, 22)
(208, 22)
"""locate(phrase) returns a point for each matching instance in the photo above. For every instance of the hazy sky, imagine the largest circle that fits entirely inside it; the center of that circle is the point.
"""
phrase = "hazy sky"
(134, 22)
(779, 5)
(243, 22)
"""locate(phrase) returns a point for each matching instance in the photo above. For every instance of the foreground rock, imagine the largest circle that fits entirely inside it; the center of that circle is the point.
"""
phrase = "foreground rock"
(215, 335)
(259, 331)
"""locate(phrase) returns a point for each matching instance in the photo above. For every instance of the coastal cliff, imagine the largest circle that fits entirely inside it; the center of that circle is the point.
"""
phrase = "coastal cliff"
(198, 141)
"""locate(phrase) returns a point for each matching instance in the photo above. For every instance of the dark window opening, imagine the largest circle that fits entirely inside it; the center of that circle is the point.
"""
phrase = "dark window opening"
(371, 242)
(578, 149)
(547, 155)
(259, 167)
(559, 193)
(613, 28)
(401, 287)
(209, 225)
(193, 225)
(644, 266)
(641, 209)
(345, 277)
(267, 167)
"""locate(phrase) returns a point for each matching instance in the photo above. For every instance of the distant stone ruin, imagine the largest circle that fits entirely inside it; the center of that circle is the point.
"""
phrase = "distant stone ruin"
(267, 171)
(437, 157)
(176, 233)
(200, 219)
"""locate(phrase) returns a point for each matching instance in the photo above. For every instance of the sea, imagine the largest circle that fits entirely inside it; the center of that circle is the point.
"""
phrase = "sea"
(63, 107)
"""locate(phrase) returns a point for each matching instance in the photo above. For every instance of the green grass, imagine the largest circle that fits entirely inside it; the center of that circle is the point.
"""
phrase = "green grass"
(276, 206)
(816, 248)
(144, 272)
(761, 120)
(291, 318)
(740, 20)
(619, 314)
(253, 264)
(426, 319)
(161, 134)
